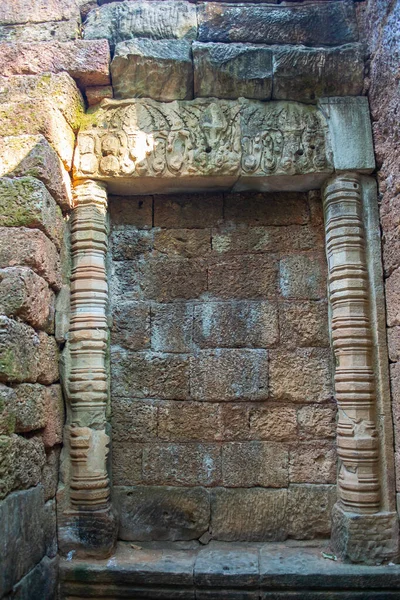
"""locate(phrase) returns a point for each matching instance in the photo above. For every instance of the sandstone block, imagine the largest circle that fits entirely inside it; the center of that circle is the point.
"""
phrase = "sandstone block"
(63, 31)
(131, 325)
(50, 528)
(232, 71)
(19, 352)
(229, 375)
(97, 93)
(30, 248)
(317, 421)
(303, 375)
(254, 514)
(121, 21)
(149, 375)
(55, 417)
(254, 464)
(134, 210)
(393, 298)
(394, 343)
(304, 324)
(25, 202)
(309, 510)
(236, 324)
(21, 535)
(187, 464)
(86, 61)
(133, 420)
(41, 581)
(187, 243)
(127, 463)
(313, 463)
(303, 277)
(50, 472)
(304, 74)
(188, 421)
(128, 243)
(194, 211)
(127, 280)
(25, 295)
(62, 315)
(273, 423)
(48, 359)
(171, 327)
(235, 422)
(158, 69)
(391, 251)
(162, 513)
(36, 11)
(34, 117)
(248, 276)
(280, 208)
(32, 155)
(310, 24)
(167, 279)
(58, 89)
(21, 462)
(28, 406)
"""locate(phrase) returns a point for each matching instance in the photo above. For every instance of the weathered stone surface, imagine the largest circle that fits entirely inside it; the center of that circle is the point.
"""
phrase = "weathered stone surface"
(48, 358)
(129, 243)
(187, 464)
(63, 31)
(134, 210)
(36, 11)
(253, 514)
(7, 414)
(313, 463)
(222, 567)
(303, 277)
(247, 276)
(41, 582)
(134, 420)
(267, 209)
(273, 423)
(158, 69)
(394, 343)
(127, 463)
(131, 326)
(58, 89)
(25, 295)
(20, 246)
(194, 211)
(39, 117)
(188, 421)
(304, 74)
(162, 513)
(147, 374)
(232, 71)
(167, 279)
(53, 432)
(393, 298)
(269, 465)
(310, 24)
(304, 324)
(32, 155)
(233, 324)
(183, 242)
(21, 525)
(235, 422)
(317, 421)
(28, 405)
(301, 376)
(25, 202)
(87, 61)
(309, 510)
(171, 327)
(63, 313)
(126, 20)
(227, 375)
(21, 461)
(50, 472)
(97, 93)
(19, 352)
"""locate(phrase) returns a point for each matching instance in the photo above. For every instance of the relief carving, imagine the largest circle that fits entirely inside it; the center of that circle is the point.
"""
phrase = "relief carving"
(357, 438)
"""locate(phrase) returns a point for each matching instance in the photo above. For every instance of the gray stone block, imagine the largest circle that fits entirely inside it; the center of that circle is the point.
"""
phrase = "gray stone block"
(309, 510)
(232, 70)
(311, 24)
(304, 74)
(40, 583)
(162, 513)
(226, 566)
(120, 21)
(158, 69)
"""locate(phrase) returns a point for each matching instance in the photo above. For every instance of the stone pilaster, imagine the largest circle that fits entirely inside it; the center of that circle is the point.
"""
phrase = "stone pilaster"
(87, 525)
(361, 530)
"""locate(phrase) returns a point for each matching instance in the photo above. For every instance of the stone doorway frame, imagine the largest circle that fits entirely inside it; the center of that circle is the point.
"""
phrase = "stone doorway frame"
(364, 519)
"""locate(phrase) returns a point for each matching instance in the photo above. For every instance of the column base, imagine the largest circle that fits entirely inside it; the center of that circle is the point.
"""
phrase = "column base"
(91, 534)
(369, 539)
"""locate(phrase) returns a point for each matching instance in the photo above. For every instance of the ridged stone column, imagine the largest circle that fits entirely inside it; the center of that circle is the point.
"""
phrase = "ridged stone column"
(360, 532)
(88, 524)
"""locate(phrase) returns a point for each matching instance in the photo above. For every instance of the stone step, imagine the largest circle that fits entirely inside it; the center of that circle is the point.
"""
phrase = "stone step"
(184, 570)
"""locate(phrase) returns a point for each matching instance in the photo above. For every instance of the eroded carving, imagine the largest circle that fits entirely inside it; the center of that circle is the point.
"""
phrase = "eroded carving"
(357, 439)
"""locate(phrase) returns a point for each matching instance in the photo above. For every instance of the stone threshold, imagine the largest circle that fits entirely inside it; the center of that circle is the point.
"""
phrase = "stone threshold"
(221, 570)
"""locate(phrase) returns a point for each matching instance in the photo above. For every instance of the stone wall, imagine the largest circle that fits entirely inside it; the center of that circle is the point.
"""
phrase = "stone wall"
(223, 420)
(380, 22)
